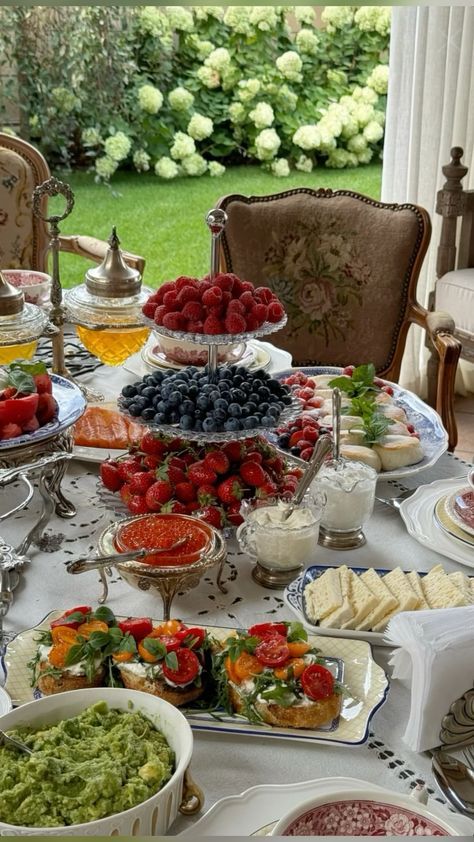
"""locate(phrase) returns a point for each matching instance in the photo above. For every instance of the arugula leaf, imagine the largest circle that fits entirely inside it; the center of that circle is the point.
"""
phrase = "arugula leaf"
(237, 645)
(171, 661)
(296, 631)
(154, 646)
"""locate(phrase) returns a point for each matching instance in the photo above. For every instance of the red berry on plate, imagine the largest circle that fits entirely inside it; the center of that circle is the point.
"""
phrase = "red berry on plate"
(149, 308)
(201, 474)
(141, 482)
(193, 310)
(275, 311)
(260, 312)
(213, 326)
(125, 493)
(225, 281)
(388, 390)
(186, 295)
(217, 461)
(206, 494)
(160, 313)
(264, 294)
(253, 474)
(170, 300)
(158, 493)
(230, 490)
(152, 445)
(137, 505)
(212, 297)
(306, 453)
(247, 299)
(213, 515)
(174, 321)
(235, 323)
(185, 492)
(236, 306)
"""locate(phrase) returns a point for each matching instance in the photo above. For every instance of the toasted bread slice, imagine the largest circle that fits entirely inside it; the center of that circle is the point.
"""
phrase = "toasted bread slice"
(158, 687)
(50, 684)
(313, 715)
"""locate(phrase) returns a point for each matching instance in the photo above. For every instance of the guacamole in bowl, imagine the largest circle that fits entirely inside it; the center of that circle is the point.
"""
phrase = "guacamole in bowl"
(106, 761)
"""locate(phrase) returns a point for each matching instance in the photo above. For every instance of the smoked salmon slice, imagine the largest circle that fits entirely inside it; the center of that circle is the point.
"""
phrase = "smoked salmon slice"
(106, 428)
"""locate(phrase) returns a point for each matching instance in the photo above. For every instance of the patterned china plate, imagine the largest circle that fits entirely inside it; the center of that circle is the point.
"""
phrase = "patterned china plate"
(367, 682)
(71, 403)
(255, 811)
(442, 513)
(433, 436)
(460, 508)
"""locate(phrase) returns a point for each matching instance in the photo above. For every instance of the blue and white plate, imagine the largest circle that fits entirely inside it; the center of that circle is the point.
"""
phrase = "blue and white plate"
(71, 403)
(433, 436)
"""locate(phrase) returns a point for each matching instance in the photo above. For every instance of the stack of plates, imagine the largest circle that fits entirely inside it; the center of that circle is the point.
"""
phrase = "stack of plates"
(441, 516)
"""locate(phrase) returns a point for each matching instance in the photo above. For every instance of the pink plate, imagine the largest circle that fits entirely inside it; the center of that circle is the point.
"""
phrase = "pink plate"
(362, 818)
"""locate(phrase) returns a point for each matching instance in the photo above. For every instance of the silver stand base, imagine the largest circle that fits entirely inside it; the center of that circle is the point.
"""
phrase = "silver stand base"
(341, 540)
(274, 579)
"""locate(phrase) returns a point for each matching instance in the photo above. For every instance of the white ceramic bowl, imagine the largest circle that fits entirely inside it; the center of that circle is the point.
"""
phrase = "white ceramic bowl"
(364, 812)
(192, 353)
(36, 286)
(153, 816)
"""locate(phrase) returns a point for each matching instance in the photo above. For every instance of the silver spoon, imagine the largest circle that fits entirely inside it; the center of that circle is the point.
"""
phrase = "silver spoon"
(455, 780)
(5, 740)
(336, 424)
(322, 447)
(80, 565)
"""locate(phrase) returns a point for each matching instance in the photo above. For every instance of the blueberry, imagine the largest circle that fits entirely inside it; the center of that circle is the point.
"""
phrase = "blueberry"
(148, 380)
(283, 441)
(220, 415)
(148, 414)
(186, 422)
(256, 383)
(175, 398)
(188, 407)
(240, 370)
(251, 421)
(138, 384)
(234, 410)
(267, 421)
(263, 407)
(238, 395)
(149, 392)
(274, 411)
(202, 402)
(225, 384)
(220, 403)
(214, 395)
(251, 407)
(173, 416)
(159, 404)
(160, 418)
(295, 451)
(197, 426)
(209, 425)
(287, 400)
(129, 391)
(193, 391)
(263, 392)
(126, 402)
(135, 409)
(232, 424)
(255, 398)
(142, 402)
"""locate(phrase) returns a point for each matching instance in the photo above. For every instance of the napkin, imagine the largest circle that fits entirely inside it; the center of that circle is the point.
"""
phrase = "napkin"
(437, 653)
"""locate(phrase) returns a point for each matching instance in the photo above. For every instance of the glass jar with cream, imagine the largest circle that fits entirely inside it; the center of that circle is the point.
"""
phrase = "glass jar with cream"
(349, 488)
(282, 546)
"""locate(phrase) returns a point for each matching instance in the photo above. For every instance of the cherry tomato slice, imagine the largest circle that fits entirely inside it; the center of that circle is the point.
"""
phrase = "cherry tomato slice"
(192, 638)
(264, 629)
(73, 623)
(317, 682)
(171, 641)
(272, 651)
(188, 668)
(138, 627)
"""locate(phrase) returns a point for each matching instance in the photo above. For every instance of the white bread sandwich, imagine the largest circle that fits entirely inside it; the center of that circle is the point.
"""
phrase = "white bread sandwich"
(386, 603)
(440, 591)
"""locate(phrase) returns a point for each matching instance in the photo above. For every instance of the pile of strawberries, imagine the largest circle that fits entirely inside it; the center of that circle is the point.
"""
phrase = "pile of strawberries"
(26, 399)
(222, 305)
(164, 474)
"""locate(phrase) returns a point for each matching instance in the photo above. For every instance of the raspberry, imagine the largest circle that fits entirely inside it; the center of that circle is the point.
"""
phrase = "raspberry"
(226, 298)
(174, 321)
(188, 294)
(247, 286)
(235, 323)
(149, 308)
(275, 311)
(195, 327)
(160, 312)
(237, 289)
(168, 286)
(264, 294)
(247, 299)
(260, 312)
(193, 310)
(252, 322)
(224, 280)
(170, 300)
(203, 286)
(184, 281)
(216, 311)
(213, 326)
(236, 306)
(212, 297)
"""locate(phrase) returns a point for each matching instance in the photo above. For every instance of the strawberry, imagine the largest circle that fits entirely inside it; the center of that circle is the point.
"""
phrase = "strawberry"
(213, 326)
(173, 473)
(235, 323)
(177, 508)
(43, 383)
(152, 445)
(233, 516)
(125, 493)
(127, 468)
(276, 464)
(253, 474)
(192, 507)
(201, 474)
(10, 431)
(159, 314)
(275, 311)
(268, 489)
(212, 297)
(206, 494)
(137, 505)
(158, 493)
(295, 437)
(230, 489)
(234, 450)
(253, 456)
(193, 310)
(213, 515)
(110, 475)
(185, 492)
(264, 294)
(141, 482)
(217, 461)
(151, 462)
(186, 295)
(170, 299)
(174, 321)
(47, 408)
(149, 308)
(315, 403)
(305, 393)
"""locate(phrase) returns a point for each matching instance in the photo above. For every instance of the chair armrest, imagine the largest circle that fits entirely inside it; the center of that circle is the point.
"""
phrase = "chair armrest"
(95, 250)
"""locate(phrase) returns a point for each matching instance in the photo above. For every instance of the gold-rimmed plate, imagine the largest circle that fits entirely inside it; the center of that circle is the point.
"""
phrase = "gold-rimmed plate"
(444, 519)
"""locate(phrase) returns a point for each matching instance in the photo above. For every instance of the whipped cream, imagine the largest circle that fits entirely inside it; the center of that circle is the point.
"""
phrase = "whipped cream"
(350, 494)
(283, 544)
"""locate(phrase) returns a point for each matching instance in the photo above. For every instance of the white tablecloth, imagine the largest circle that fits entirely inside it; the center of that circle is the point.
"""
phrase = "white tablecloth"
(226, 764)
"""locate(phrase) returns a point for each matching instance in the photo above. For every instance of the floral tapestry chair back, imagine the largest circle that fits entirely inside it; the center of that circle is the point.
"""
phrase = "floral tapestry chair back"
(23, 238)
(344, 266)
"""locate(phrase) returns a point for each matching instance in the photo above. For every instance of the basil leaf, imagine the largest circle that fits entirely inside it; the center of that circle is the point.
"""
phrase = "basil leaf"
(343, 383)
(21, 381)
(106, 615)
(154, 646)
(116, 634)
(364, 374)
(171, 661)
(99, 639)
(3, 379)
(127, 644)
(36, 367)
(296, 631)
(75, 654)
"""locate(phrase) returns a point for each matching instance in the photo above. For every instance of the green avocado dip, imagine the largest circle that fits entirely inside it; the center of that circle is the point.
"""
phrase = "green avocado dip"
(85, 768)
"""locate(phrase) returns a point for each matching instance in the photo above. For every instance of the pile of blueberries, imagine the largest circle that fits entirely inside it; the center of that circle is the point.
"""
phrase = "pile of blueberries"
(234, 399)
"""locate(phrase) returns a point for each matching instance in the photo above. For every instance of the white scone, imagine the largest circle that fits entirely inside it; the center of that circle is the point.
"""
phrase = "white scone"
(344, 613)
(440, 592)
(462, 582)
(353, 436)
(347, 421)
(391, 410)
(415, 581)
(357, 453)
(323, 595)
(397, 582)
(386, 601)
(382, 397)
(398, 451)
(321, 381)
(325, 394)
(326, 408)
(362, 600)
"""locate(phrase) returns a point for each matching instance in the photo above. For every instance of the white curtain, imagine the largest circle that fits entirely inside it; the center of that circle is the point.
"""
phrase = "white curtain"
(430, 108)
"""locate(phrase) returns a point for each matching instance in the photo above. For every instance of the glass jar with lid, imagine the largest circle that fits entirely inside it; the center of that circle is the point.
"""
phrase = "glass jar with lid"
(106, 309)
(21, 324)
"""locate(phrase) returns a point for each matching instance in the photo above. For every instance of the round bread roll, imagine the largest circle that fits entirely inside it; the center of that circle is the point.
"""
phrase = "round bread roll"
(391, 410)
(50, 684)
(357, 453)
(398, 451)
(347, 421)
(313, 715)
(354, 436)
(159, 687)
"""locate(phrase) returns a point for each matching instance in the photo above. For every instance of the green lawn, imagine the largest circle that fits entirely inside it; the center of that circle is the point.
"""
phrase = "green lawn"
(164, 221)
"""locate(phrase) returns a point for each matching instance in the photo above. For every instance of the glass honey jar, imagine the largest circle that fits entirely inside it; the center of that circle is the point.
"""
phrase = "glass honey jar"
(106, 309)
(21, 324)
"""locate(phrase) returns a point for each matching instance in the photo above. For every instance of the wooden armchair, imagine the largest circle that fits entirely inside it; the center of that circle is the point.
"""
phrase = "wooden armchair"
(346, 268)
(24, 239)
(454, 290)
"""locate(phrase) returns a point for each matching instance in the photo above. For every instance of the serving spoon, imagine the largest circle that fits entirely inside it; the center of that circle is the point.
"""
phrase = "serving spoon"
(322, 447)
(81, 565)
(455, 780)
(5, 740)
